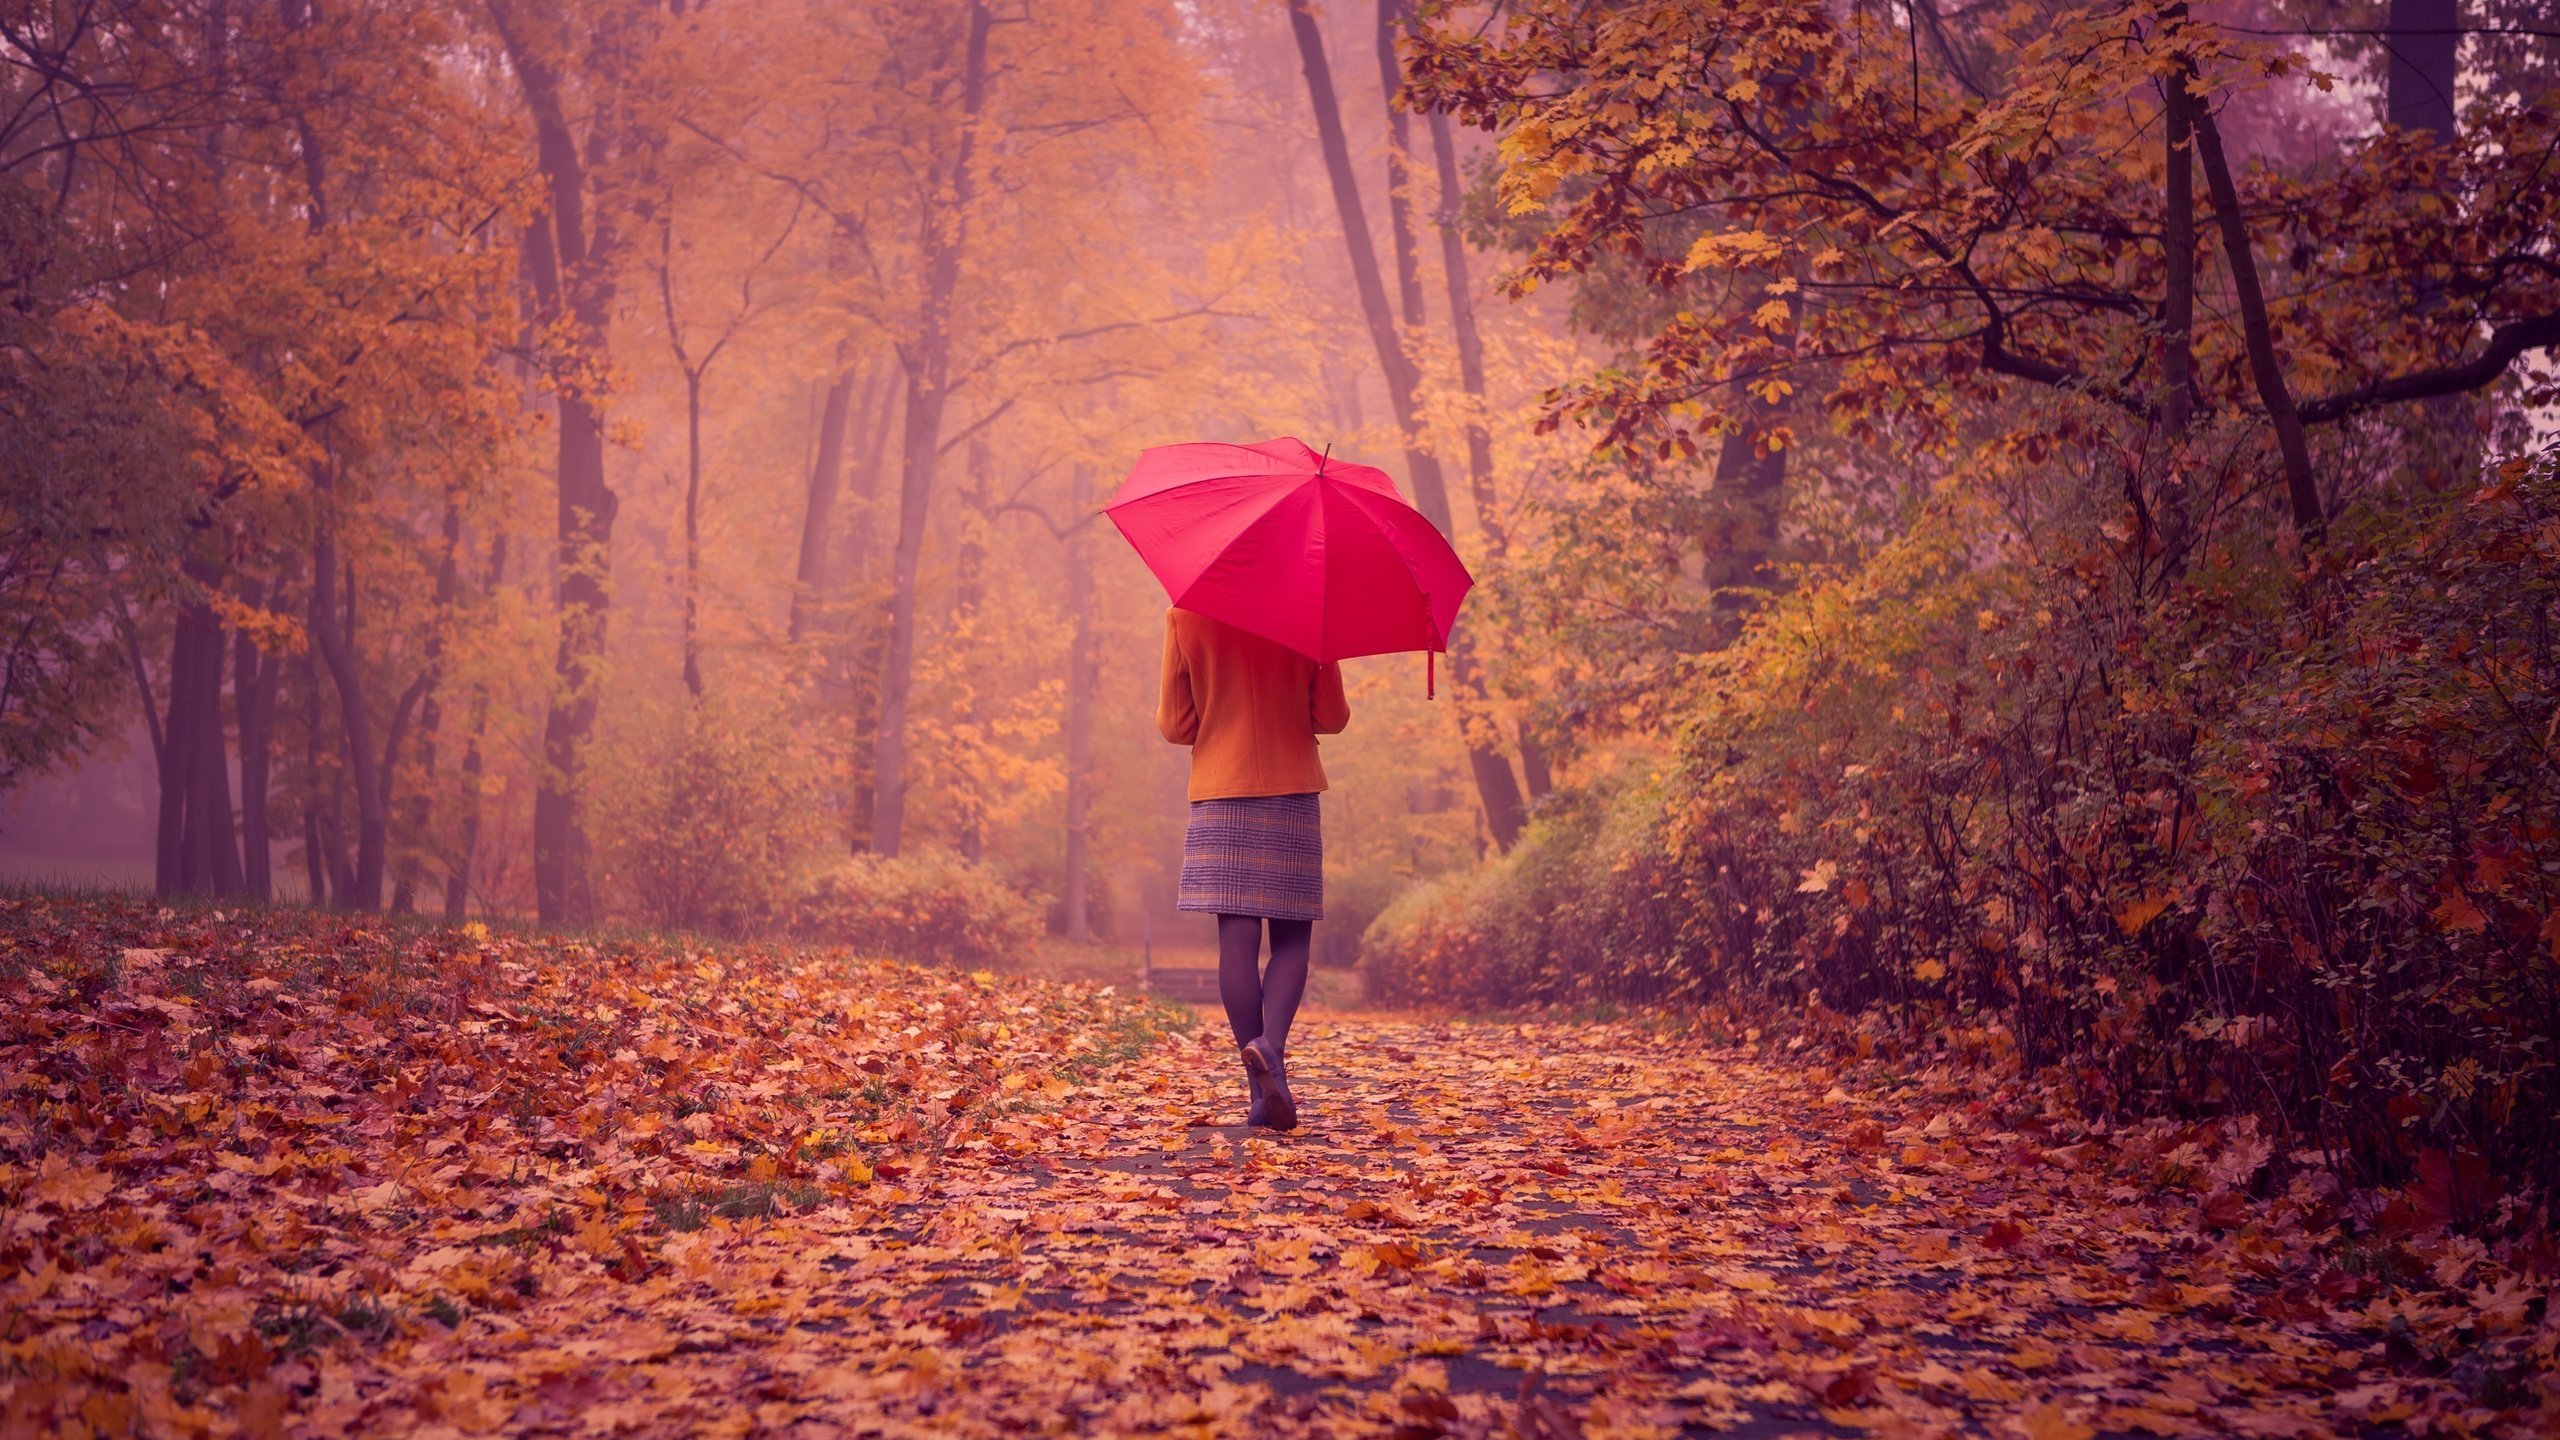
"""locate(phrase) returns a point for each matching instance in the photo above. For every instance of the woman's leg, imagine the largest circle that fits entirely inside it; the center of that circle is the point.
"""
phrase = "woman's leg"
(1285, 983)
(1240, 973)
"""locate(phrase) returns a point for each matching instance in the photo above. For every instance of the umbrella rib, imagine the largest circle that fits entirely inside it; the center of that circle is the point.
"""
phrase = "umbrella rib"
(1323, 539)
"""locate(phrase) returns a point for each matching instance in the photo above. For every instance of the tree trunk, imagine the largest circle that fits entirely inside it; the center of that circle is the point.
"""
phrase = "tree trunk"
(862, 524)
(333, 635)
(1497, 789)
(2177, 306)
(457, 884)
(1083, 669)
(1431, 493)
(2423, 40)
(253, 703)
(945, 226)
(1470, 344)
(404, 887)
(1391, 13)
(2424, 44)
(897, 669)
(315, 864)
(813, 581)
(1462, 325)
(2301, 486)
(176, 754)
(571, 262)
(968, 591)
(693, 533)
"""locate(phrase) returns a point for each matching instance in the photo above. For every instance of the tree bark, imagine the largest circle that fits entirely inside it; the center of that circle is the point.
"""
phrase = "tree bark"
(457, 884)
(1392, 13)
(2177, 306)
(2302, 487)
(1083, 670)
(945, 227)
(1430, 491)
(176, 754)
(404, 885)
(571, 261)
(2422, 40)
(862, 524)
(333, 635)
(2178, 298)
(693, 533)
(1470, 342)
(253, 703)
(814, 580)
(315, 863)
(1497, 789)
(967, 592)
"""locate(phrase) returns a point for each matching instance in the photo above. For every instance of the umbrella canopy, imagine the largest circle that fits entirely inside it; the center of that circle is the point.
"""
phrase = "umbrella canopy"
(1321, 555)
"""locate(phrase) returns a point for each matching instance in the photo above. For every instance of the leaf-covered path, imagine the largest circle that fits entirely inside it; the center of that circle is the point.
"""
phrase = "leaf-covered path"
(274, 1174)
(1538, 1230)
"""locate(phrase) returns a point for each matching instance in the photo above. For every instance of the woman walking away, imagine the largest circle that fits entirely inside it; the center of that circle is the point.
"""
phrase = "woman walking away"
(1251, 709)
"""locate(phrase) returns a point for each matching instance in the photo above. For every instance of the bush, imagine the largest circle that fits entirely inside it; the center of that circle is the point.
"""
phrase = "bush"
(703, 824)
(932, 906)
(2237, 839)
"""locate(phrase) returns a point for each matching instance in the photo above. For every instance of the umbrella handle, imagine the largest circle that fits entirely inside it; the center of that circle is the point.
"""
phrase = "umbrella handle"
(1430, 665)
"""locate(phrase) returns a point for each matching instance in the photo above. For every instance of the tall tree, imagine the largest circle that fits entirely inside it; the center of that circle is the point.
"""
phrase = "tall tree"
(572, 252)
(1083, 675)
(943, 239)
(1497, 789)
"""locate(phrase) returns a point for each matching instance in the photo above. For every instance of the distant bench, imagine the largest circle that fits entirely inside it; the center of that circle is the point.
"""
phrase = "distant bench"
(1185, 984)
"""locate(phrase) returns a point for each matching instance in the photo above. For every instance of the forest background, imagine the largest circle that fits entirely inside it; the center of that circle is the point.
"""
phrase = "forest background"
(2016, 526)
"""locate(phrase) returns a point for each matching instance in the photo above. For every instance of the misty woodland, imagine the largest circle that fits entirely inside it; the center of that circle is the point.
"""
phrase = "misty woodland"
(588, 842)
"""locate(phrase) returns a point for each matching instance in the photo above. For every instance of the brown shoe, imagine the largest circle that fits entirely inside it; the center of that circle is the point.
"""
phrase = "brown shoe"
(1263, 1059)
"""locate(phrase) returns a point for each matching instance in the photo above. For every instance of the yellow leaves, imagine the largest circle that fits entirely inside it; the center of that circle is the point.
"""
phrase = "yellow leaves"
(1930, 969)
(2051, 1421)
(464, 1401)
(2134, 915)
(1393, 1255)
(67, 1186)
(2032, 1358)
(1731, 249)
(1773, 316)
(1771, 389)
(1819, 878)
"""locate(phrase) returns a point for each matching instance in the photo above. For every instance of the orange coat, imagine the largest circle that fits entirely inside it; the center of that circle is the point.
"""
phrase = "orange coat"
(1249, 708)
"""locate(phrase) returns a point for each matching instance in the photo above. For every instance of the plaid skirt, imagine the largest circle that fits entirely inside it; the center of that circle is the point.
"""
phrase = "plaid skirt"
(1256, 855)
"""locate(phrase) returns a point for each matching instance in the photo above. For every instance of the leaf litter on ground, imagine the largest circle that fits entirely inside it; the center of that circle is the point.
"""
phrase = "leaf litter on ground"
(280, 1173)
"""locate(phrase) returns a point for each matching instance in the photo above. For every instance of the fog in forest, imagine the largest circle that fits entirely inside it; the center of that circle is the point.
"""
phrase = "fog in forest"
(631, 462)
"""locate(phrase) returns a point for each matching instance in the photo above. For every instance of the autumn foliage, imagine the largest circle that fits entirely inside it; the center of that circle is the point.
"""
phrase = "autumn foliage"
(280, 1174)
(241, 1138)
(2113, 620)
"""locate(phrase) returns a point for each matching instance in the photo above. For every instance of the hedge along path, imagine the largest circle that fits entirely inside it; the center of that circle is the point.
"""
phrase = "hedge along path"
(990, 1208)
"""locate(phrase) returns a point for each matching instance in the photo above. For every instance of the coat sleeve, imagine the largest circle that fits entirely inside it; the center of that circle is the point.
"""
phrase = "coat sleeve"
(1331, 709)
(1177, 713)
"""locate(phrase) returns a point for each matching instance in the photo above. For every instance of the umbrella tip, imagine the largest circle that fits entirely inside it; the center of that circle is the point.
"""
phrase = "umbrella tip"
(1327, 455)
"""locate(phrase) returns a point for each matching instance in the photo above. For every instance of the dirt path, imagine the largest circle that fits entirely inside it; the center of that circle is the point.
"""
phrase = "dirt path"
(1541, 1230)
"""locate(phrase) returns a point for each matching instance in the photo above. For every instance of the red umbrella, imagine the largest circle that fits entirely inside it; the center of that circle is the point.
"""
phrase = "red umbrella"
(1321, 555)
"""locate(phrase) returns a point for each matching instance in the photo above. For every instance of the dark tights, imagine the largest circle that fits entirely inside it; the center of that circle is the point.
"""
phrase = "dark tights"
(1262, 1002)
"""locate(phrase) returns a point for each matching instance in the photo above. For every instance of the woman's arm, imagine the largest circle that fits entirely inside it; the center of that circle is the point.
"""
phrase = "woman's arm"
(1331, 708)
(1177, 715)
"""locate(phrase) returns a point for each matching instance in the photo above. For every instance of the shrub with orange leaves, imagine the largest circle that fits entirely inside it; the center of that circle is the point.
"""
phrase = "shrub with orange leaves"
(2242, 837)
(928, 906)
